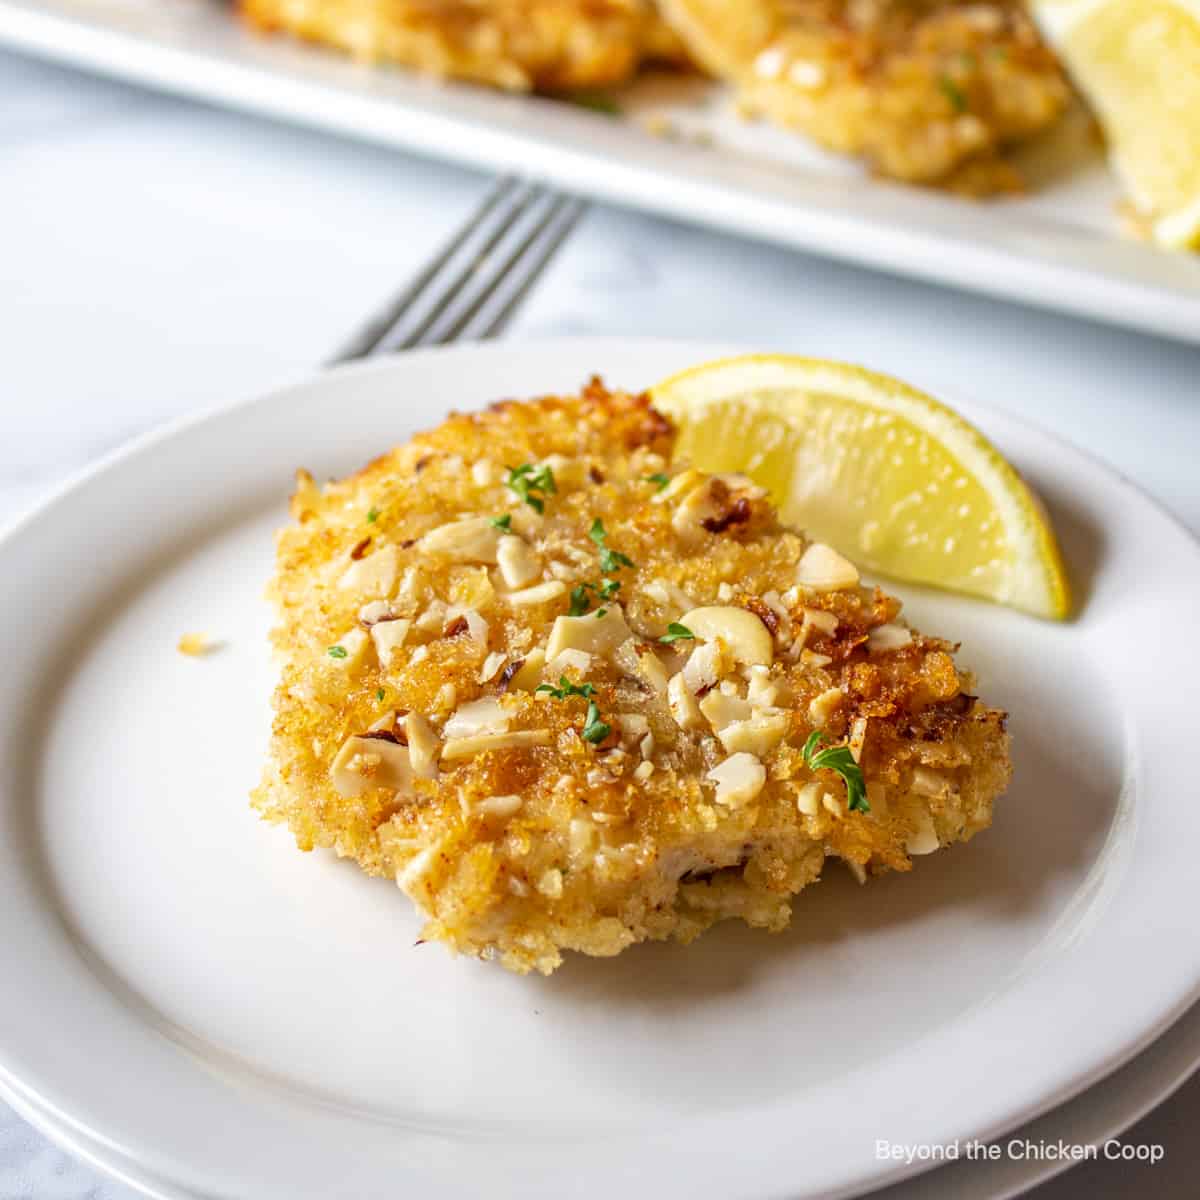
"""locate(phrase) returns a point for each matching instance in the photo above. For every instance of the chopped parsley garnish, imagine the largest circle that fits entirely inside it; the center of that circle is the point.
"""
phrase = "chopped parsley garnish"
(594, 729)
(953, 93)
(373, 515)
(379, 695)
(677, 633)
(659, 478)
(839, 759)
(527, 479)
(600, 612)
(338, 652)
(579, 601)
(606, 589)
(504, 522)
(567, 688)
(611, 561)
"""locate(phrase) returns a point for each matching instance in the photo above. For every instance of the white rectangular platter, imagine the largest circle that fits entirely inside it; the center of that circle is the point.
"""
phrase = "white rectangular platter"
(1058, 247)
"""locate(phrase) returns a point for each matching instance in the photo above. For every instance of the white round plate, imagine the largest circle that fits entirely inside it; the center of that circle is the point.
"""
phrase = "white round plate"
(216, 1014)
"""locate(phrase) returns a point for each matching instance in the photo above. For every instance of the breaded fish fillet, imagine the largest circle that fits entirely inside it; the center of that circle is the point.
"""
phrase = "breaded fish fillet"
(519, 45)
(564, 691)
(924, 90)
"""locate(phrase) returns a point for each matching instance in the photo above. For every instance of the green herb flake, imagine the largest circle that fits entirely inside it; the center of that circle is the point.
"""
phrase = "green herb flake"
(953, 93)
(658, 478)
(338, 652)
(594, 729)
(580, 601)
(527, 479)
(379, 695)
(373, 515)
(611, 561)
(567, 688)
(606, 589)
(839, 759)
(504, 522)
(677, 633)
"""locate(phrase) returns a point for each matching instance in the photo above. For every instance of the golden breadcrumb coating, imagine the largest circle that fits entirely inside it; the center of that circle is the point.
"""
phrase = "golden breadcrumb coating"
(927, 91)
(662, 785)
(518, 45)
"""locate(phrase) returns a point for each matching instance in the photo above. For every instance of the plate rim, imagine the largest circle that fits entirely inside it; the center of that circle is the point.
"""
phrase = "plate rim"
(600, 347)
(1166, 1078)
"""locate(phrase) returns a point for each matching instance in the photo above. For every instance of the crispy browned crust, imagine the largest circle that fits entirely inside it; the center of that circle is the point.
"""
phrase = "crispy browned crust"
(518, 45)
(597, 858)
(927, 91)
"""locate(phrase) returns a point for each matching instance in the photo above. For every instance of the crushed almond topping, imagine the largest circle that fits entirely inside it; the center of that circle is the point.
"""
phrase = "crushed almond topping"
(474, 624)
(519, 564)
(739, 779)
(924, 839)
(506, 676)
(530, 674)
(738, 513)
(497, 807)
(759, 735)
(353, 649)
(858, 736)
(388, 636)
(599, 633)
(883, 638)
(551, 884)
(808, 799)
(475, 539)
(683, 704)
(366, 762)
(824, 705)
(541, 593)
(422, 746)
(822, 568)
(764, 613)
(478, 716)
(747, 638)
(376, 611)
(468, 747)
(491, 666)
(372, 573)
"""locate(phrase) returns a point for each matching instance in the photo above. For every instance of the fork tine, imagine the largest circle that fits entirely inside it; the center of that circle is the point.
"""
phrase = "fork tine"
(464, 277)
(546, 249)
(490, 286)
(379, 326)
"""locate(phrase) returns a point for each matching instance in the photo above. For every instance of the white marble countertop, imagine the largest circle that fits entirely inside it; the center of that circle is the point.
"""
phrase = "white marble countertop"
(159, 256)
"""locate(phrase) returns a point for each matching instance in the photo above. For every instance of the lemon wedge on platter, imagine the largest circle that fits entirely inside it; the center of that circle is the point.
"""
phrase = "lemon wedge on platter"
(1138, 64)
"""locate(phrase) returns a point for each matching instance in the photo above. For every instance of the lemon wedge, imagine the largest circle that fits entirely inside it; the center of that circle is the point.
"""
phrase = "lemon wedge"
(897, 481)
(1138, 64)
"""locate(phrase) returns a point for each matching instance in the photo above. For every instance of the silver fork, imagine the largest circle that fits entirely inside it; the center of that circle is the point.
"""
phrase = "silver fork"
(476, 282)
